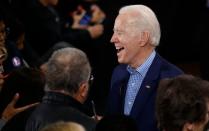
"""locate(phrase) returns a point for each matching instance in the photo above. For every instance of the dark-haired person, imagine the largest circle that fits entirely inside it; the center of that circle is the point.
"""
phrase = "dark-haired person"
(29, 84)
(182, 104)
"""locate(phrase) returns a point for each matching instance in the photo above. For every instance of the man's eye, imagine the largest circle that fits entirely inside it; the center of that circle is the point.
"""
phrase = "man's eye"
(120, 32)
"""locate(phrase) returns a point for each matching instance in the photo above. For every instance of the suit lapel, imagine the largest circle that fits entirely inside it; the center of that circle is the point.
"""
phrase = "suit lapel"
(148, 87)
(123, 89)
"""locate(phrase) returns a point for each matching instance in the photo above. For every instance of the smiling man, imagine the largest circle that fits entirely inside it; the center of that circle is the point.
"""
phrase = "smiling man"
(135, 80)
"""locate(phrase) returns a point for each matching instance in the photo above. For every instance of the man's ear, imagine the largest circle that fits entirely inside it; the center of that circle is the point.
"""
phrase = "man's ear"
(82, 92)
(145, 36)
(83, 89)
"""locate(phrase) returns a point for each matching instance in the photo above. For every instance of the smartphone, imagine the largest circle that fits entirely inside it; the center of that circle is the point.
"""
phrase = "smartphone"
(86, 19)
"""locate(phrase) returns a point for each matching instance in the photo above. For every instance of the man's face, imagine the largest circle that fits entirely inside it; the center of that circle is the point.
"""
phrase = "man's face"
(2, 33)
(126, 39)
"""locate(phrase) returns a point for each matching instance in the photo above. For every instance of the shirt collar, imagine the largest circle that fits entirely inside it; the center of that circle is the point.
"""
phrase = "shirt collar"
(142, 69)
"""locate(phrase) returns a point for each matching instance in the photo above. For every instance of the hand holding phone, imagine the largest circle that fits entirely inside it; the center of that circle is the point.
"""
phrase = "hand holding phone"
(98, 15)
(77, 17)
(86, 19)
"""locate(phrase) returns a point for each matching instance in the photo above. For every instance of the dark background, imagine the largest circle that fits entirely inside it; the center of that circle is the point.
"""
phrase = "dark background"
(184, 41)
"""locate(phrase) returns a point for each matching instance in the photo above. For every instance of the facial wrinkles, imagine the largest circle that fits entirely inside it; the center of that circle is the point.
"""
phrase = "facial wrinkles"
(122, 28)
(134, 32)
(132, 45)
(118, 32)
(134, 54)
(126, 37)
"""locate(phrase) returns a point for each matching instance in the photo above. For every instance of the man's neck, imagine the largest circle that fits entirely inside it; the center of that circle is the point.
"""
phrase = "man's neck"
(142, 59)
(74, 96)
(61, 91)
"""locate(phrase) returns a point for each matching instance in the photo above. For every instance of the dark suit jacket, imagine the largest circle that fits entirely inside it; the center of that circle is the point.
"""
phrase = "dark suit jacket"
(143, 110)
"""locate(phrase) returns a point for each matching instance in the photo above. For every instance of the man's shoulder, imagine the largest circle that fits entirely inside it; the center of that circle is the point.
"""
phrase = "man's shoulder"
(120, 73)
(45, 114)
(45, 109)
(168, 69)
(121, 67)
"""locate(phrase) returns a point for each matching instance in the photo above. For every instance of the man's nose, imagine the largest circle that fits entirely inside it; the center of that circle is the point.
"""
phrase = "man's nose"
(112, 40)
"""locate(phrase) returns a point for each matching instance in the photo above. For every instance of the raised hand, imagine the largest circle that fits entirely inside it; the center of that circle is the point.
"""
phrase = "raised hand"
(10, 111)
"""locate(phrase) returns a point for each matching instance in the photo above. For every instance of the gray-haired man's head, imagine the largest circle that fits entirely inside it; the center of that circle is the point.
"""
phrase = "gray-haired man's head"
(66, 69)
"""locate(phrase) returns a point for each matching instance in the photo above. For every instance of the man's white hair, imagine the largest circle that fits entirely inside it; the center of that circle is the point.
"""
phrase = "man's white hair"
(146, 21)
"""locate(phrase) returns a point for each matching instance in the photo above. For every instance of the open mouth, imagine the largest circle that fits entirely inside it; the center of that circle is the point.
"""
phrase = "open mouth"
(119, 49)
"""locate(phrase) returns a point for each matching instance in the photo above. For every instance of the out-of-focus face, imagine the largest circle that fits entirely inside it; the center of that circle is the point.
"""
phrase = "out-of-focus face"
(2, 33)
(126, 40)
(53, 2)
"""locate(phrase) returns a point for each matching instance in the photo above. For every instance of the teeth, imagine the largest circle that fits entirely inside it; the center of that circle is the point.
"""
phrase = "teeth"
(119, 49)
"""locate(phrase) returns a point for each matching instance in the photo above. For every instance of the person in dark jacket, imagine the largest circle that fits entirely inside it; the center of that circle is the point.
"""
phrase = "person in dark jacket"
(134, 82)
(44, 27)
(67, 74)
(29, 83)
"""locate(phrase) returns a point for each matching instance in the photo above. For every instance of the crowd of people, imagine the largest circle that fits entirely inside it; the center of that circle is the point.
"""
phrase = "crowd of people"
(52, 76)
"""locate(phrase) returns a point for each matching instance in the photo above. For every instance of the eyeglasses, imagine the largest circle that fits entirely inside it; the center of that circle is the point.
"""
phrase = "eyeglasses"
(91, 80)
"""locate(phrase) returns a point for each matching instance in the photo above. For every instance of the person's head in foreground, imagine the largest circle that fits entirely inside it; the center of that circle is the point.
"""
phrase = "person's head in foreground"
(63, 126)
(68, 71)
(182, 104)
